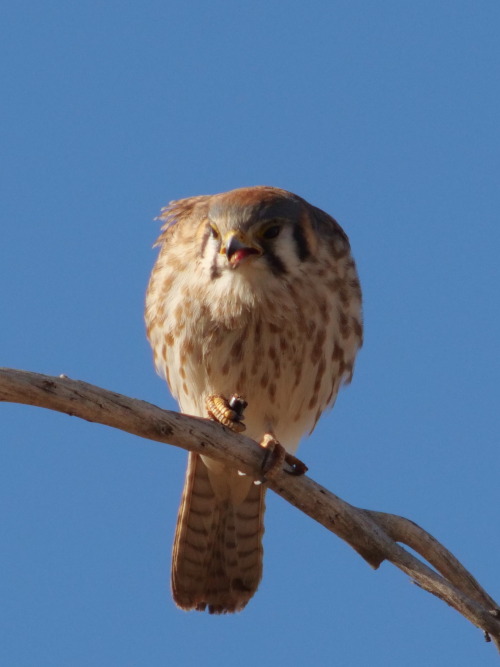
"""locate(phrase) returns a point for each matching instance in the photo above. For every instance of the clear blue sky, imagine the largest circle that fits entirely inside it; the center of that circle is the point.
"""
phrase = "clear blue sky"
(385, 114)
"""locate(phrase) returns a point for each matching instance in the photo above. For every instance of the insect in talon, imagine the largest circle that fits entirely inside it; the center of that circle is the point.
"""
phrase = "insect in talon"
(238, 404)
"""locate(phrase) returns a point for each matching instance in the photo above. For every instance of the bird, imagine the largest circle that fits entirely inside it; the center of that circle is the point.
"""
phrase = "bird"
(255, 295)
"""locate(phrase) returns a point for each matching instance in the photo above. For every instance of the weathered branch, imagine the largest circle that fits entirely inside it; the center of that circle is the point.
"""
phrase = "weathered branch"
(374, 535)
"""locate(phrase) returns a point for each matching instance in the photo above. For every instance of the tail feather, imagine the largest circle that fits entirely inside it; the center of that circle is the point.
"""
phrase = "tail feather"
(217, 554)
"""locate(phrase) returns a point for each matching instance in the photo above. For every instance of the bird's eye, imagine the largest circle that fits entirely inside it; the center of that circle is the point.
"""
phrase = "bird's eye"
(271, 232)
(214, 232)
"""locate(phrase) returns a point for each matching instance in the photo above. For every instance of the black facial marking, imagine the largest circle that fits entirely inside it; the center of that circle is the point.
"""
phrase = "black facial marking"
(275, 263)
(271, 232)
(301, 242)
(214, 269)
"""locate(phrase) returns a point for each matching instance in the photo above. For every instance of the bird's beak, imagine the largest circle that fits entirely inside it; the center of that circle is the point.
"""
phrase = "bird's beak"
(237, 247)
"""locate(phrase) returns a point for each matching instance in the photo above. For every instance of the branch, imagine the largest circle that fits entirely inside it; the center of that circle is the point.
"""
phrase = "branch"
(374, 535)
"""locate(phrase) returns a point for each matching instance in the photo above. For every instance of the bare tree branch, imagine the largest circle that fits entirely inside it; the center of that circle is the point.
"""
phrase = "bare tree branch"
(374, 535)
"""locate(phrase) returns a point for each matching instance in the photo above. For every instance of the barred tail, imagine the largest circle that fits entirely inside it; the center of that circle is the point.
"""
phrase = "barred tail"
(217, 554)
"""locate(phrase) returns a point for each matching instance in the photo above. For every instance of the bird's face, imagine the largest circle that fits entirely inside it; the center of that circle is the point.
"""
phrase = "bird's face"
(254, 238)
(256, 245)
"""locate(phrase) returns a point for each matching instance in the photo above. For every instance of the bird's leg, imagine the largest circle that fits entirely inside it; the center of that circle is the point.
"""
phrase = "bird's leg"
(276, 455)
(228, 413)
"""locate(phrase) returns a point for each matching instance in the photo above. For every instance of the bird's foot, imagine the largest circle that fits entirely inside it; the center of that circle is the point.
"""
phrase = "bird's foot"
(276, 456)
(228, 413)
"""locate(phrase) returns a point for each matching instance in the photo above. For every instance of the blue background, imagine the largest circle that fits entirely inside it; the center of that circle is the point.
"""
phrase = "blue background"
(384, 114)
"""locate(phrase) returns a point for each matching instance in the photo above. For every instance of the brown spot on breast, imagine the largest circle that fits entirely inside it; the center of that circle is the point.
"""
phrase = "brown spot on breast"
(160, 313)
(311, 328)
(272, 392)
(313, 401)
(257, 332)
(319, 375)
(344, 327)
(185, 388)
(323, 310)
(283, 344)
(273, 355)
(218, 336)
(225, 368)
(174, 264)
(178, 312)
(166, 285)
(187, 347)
(237, 349)
(343, 296)
(182, 372)
(333, 284)
(318, 344)
(178, 329)
(264, 380)
(337, 352)
(169, 339)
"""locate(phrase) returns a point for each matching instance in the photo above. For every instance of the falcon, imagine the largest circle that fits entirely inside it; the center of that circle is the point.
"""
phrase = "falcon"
(255, 296)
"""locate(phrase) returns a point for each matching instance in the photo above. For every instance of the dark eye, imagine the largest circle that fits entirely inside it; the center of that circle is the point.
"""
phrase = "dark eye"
(271, 232)
(214, 232)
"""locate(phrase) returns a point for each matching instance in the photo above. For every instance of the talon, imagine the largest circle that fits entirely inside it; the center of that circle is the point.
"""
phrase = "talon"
(297, 466)
(227, 414)
(276, 456)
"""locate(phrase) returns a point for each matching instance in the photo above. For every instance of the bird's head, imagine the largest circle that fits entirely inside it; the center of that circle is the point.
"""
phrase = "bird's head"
(256, 236)
(256, 245)
(259, 229)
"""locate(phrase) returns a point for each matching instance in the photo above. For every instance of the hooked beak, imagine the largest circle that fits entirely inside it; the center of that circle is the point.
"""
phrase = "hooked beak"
(237, 248)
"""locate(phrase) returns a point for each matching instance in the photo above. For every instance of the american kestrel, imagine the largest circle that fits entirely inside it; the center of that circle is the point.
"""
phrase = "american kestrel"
(254, 293)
